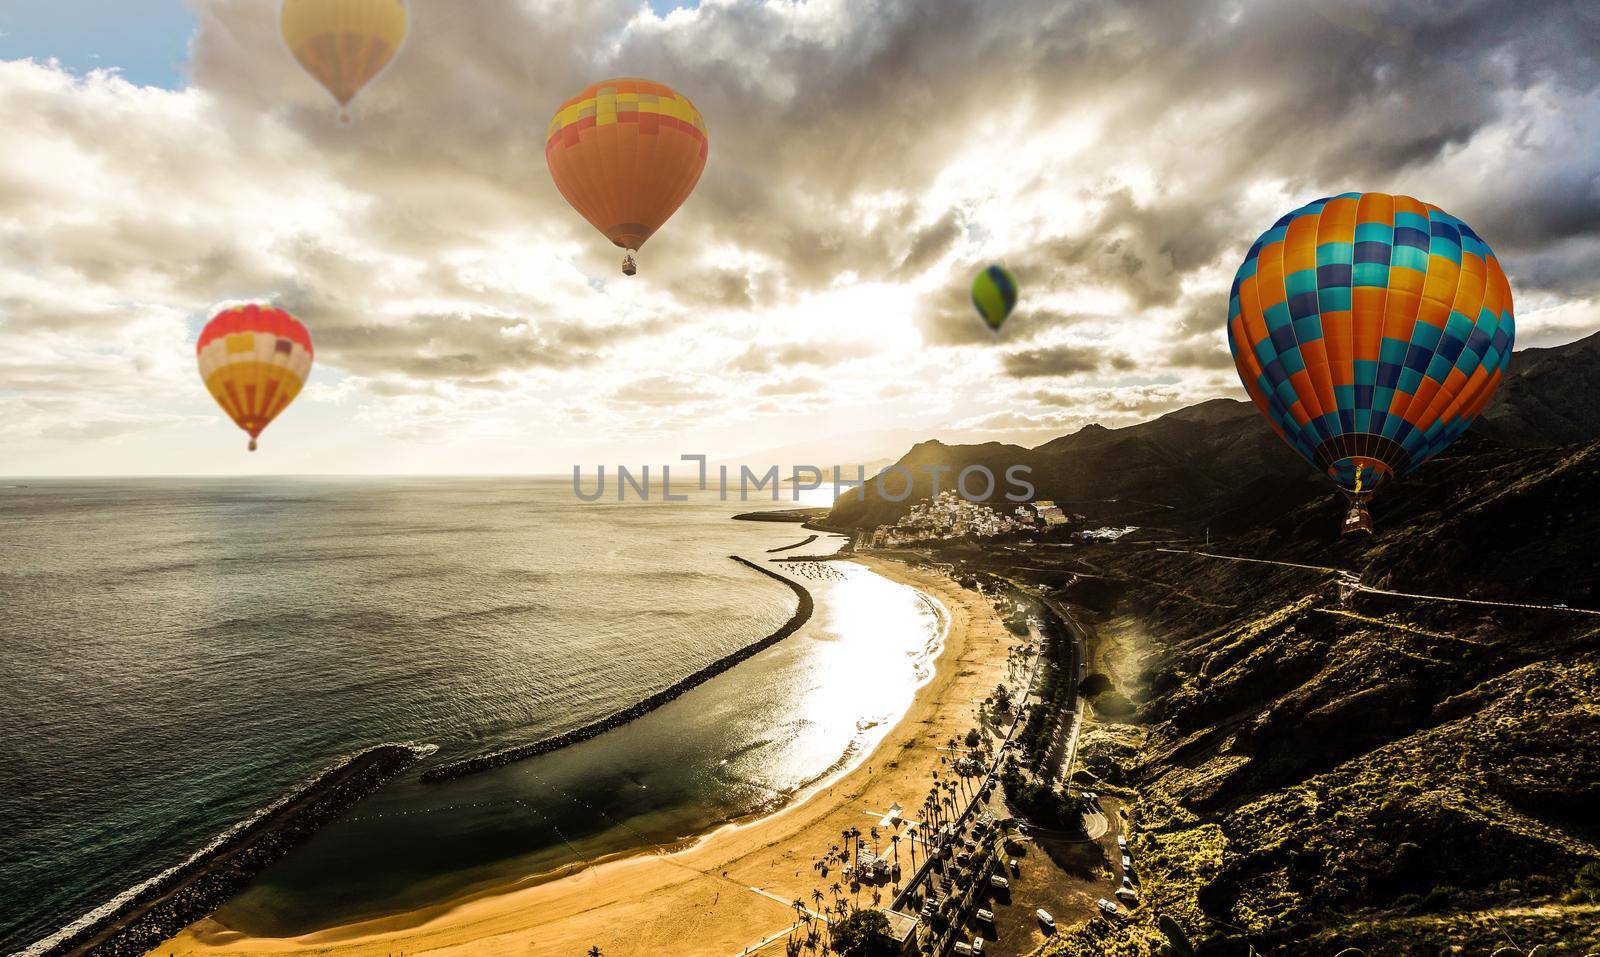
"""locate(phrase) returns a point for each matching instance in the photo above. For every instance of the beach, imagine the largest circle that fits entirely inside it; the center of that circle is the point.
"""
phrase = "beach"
(729, 890)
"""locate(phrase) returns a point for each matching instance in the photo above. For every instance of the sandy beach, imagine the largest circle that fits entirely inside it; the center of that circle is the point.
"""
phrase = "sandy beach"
(731, 890)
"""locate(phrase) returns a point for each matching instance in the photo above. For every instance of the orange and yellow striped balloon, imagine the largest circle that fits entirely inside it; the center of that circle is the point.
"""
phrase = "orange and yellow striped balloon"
(254, 360)
(343, 44)
(626, 153)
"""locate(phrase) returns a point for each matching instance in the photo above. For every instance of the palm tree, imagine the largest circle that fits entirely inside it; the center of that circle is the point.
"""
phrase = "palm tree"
(594, 952)
(816, 897)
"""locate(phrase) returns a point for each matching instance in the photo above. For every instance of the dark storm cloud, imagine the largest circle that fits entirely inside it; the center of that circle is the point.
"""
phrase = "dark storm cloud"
(1209, 352)
(930, 244)
(1144, 250)
(1063, 361)
(805, 115)
(946, 316)
(456, 345)
(830, 127)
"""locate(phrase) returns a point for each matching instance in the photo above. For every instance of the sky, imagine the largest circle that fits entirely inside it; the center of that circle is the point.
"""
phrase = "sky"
(163, 159)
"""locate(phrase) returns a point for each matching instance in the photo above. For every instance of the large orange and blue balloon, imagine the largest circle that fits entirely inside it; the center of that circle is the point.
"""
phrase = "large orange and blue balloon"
(626, 153)
(254, 360)
(1370, 330)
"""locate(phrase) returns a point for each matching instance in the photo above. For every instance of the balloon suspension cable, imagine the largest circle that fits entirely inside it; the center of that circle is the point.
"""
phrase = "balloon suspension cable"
(629, 267)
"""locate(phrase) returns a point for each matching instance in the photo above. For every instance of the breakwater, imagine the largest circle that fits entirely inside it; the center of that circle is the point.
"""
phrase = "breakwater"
(496, 759)
(800, 544)
(795, 515)
(153, 911)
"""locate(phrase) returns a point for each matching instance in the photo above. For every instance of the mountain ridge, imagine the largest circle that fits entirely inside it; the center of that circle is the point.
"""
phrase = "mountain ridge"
(1183, 469)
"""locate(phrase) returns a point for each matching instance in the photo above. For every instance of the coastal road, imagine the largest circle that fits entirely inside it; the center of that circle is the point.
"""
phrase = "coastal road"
(1352, 581)
(1075, 669)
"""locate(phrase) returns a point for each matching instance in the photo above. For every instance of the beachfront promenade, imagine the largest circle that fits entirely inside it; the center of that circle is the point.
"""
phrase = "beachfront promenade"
(919, 884)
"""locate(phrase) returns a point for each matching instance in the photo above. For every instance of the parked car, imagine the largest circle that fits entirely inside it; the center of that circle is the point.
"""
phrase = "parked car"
(1108, 908)
(1122, 843)
(961, 947)
(999, 882)
(1045, 918)
(1015, 867)
(977, 945)
(986, 915)
(1127, 863)
(1127, 895)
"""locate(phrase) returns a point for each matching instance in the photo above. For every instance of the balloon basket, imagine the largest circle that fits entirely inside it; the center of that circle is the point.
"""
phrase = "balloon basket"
(1357, 521)
(629, 267)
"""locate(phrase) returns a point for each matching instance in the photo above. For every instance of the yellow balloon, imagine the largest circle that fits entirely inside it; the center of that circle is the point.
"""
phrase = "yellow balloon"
(343, 44)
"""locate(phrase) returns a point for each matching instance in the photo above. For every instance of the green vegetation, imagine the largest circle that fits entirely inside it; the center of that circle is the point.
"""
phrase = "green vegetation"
(1586, 886)
(1054, 700)
(1002, 699)
(1041, 803)
(1113, 705)
(864, 933)
(1177, 944)
(1387, 777)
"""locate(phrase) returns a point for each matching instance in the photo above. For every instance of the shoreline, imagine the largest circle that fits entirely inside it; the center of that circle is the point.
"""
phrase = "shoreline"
(741, 878)
(496, 759)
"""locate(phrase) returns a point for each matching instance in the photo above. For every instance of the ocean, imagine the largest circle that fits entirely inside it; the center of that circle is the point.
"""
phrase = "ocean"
(176, 654)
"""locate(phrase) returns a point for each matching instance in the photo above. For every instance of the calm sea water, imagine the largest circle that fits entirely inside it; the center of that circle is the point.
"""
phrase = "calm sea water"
(176, 654)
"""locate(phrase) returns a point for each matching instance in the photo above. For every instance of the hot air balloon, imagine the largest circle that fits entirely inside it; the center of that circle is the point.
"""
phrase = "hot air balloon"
(1370, 330)
(343, 44)
(254, 359)
(626, 153)
(994, 294)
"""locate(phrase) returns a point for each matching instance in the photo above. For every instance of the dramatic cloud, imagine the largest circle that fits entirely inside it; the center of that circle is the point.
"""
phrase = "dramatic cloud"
(867, 156)
(1061, 361)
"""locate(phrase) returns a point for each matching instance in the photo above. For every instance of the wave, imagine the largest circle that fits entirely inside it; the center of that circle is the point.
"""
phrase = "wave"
(385, 757)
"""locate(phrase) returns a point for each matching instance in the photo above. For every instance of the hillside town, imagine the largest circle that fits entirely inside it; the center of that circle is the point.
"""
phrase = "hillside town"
(949, 516)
